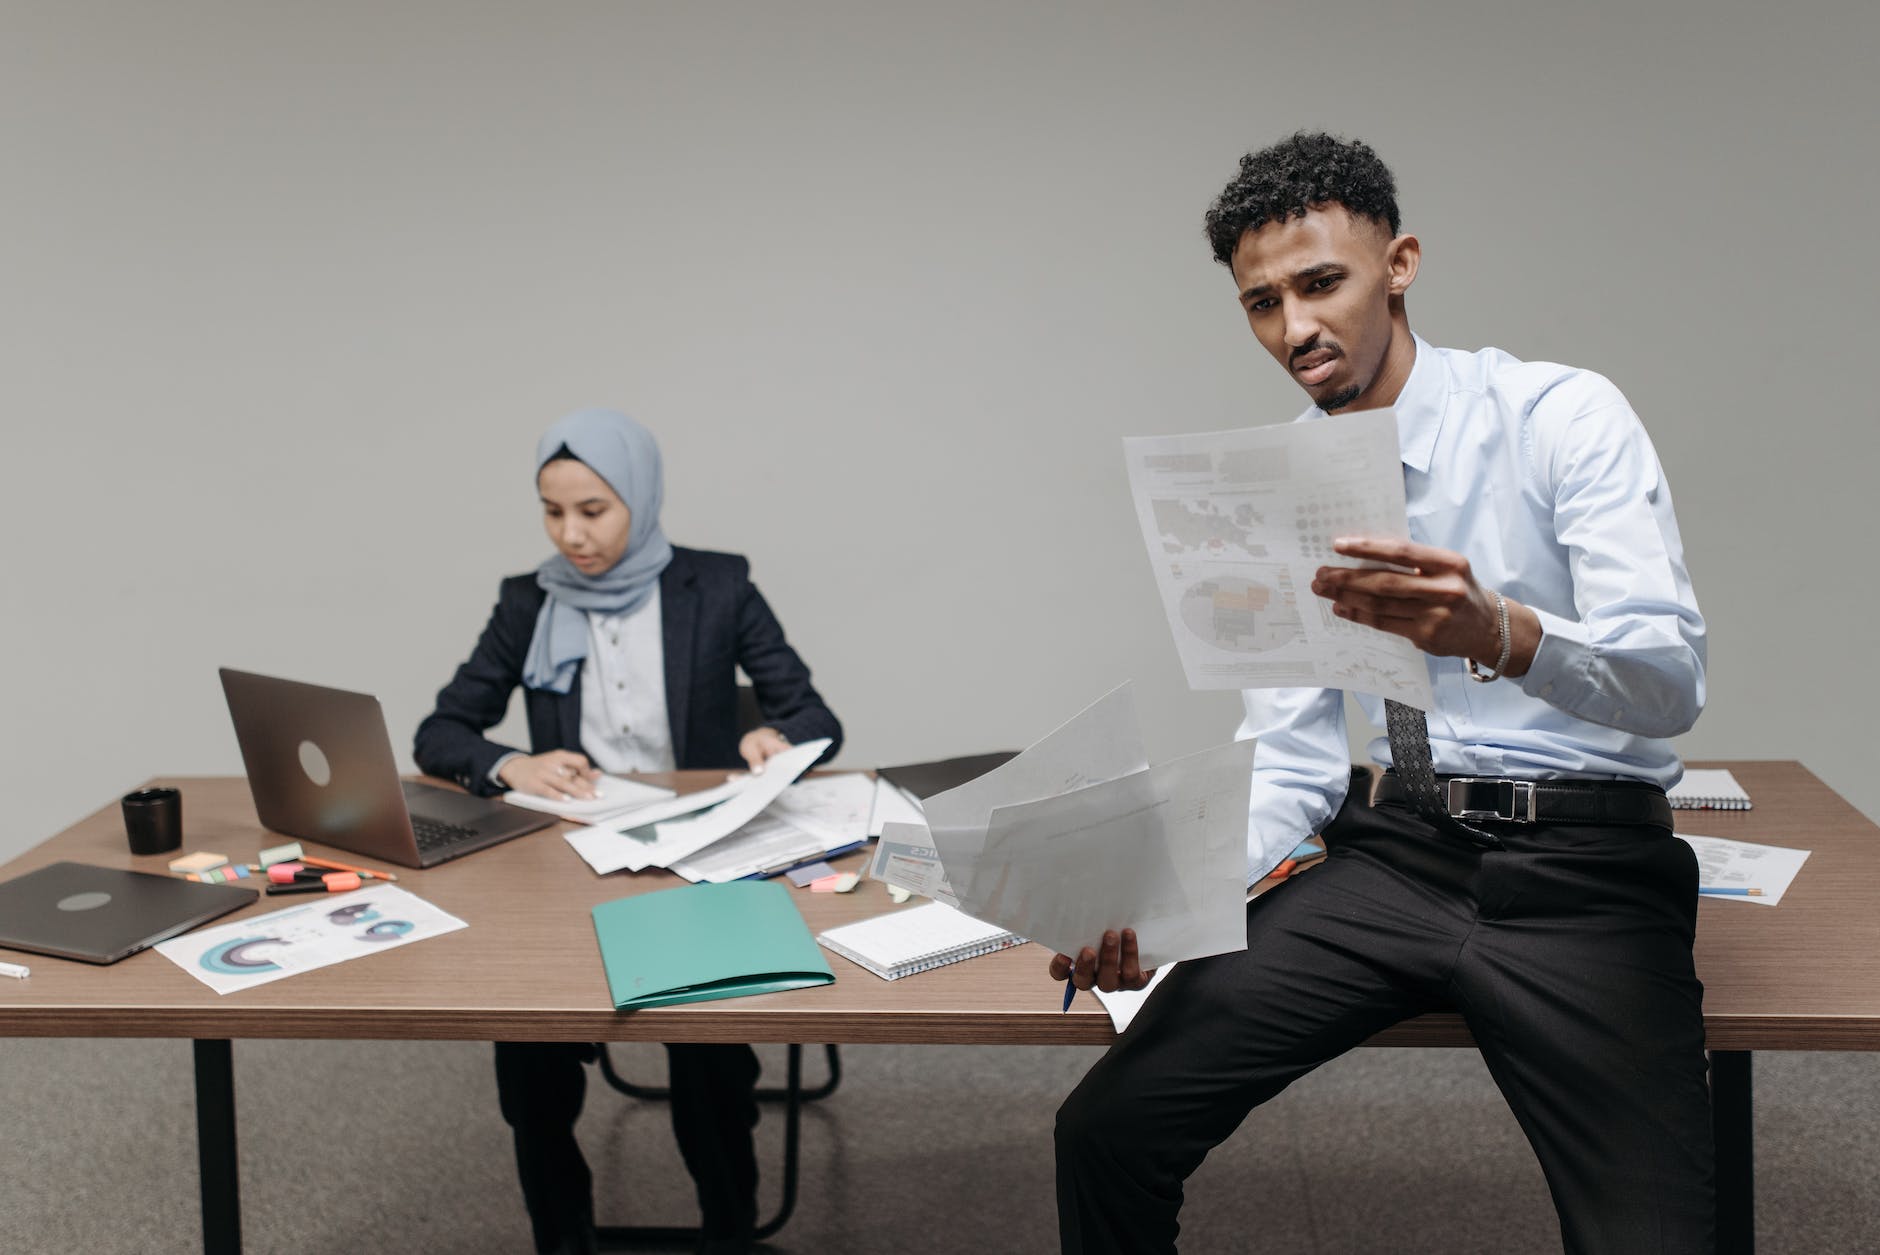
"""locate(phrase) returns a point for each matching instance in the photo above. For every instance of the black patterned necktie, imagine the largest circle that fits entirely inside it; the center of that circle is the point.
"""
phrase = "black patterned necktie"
(1410, 758)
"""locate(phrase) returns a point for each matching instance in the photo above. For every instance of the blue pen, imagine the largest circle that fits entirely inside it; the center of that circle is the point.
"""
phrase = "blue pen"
(1070, 991)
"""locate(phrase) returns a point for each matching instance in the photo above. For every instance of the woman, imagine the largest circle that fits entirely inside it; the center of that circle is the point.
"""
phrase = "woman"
(626, 649)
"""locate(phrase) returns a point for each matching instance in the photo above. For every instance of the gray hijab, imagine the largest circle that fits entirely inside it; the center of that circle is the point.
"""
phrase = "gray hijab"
(624, 454)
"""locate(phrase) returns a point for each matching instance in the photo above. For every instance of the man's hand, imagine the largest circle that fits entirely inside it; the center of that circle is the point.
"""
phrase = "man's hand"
(1114, 965)
(759, 744)
(1437, 605)
(559, 774)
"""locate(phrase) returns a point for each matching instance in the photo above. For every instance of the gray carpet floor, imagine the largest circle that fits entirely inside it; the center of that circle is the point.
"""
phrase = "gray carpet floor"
(396, 1146)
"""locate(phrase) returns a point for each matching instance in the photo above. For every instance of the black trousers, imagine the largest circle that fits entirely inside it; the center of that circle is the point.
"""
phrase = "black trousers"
(1569, 955)
(541, 1086)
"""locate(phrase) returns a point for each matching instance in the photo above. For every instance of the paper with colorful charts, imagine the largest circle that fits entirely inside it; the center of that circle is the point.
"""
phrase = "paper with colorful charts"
(332, 928)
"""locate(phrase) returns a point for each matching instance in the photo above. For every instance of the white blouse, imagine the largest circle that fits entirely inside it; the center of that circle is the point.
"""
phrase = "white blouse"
(623, 692)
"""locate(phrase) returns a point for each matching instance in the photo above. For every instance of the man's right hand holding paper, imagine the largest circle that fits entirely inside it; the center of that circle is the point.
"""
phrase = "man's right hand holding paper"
(1113, 965)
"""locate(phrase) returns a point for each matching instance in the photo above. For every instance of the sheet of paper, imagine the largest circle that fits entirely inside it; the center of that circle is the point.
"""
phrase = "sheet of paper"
(331, 929)
(764, 844)
(1163, 851)
(1723, 864)
(835, 808)
(679, 838)
(614, 795)
(1101, 742)
(622, 843)
(1124, 1003)
(893, 806)
(1237, 522)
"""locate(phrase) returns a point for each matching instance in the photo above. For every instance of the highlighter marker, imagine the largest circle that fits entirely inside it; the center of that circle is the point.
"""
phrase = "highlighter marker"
(336, 882)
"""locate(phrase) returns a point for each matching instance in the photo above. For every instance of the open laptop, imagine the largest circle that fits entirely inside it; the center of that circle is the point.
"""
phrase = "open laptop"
(103, 914)
(320, 766)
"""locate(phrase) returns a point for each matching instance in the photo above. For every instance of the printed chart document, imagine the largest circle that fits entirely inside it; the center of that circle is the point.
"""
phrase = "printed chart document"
(337, 927)
(1078, 835)
(1237, 522)
(1725, 864)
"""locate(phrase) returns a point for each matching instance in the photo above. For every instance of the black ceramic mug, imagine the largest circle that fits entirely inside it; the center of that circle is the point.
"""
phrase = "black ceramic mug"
(153, 820)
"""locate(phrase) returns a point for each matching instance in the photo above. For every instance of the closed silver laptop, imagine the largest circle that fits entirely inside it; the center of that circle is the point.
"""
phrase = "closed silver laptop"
(320, 767)
(103, 914)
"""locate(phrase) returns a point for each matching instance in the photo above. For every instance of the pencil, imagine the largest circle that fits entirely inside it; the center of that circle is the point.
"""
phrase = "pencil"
(1733, 893)
(311, 861)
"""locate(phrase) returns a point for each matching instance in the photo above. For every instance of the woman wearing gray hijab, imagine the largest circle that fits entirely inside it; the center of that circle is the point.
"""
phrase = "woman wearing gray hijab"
(626, 649)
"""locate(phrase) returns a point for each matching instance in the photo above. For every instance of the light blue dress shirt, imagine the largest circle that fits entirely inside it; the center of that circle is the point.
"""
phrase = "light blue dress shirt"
(1543, 477)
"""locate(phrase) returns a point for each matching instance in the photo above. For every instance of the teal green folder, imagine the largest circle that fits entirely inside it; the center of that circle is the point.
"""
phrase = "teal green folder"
(700, 942)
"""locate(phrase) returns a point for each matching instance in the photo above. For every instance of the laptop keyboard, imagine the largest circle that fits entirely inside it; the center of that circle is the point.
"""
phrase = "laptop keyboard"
(435, 835)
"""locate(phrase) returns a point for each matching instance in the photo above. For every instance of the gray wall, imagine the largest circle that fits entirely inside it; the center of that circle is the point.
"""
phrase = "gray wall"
(291, 290)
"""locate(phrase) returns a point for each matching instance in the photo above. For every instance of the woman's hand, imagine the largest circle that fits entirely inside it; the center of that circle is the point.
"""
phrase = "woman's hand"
(759, 744)
(562, 775)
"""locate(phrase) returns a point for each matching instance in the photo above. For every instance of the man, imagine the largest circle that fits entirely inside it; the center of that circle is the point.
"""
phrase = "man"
(1552, 907)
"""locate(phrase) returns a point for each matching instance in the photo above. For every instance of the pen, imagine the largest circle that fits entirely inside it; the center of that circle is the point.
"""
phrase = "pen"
(328, 863)
(1070, 991)
(15, 969)
(1733, 893)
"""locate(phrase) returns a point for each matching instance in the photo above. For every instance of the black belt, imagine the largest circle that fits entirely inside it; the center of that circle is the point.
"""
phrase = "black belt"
(1488, 799)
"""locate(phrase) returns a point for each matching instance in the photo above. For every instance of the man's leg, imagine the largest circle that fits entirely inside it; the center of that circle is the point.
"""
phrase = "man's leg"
(540, 1086)
(714, 1109)
(1578, 985)
(1333, 956)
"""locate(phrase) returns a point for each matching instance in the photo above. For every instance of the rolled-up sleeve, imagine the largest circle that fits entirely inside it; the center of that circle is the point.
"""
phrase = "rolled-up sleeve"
(1301, 769)
(1633, 656)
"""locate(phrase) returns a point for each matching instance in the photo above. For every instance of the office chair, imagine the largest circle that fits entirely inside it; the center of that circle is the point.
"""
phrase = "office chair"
(791, 1094)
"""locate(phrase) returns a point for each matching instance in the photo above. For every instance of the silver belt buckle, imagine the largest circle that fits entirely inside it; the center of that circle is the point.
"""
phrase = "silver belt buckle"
(1483, 797)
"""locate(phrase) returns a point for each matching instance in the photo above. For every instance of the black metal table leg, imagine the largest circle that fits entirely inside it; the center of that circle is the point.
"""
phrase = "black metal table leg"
(1734, 1123)
(215, 1148)
(626, 1237)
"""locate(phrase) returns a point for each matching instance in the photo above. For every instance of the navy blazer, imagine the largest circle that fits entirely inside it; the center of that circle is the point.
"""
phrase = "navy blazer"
(713, 620)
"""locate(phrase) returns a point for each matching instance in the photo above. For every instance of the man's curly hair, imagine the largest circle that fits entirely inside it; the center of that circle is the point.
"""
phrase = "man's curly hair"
(1303, 171)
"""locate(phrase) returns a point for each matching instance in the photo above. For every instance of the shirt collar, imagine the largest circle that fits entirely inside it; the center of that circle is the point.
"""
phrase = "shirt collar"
(1420, 408)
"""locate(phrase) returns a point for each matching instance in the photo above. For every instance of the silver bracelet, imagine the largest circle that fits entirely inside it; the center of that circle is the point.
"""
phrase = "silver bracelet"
(1507, 645)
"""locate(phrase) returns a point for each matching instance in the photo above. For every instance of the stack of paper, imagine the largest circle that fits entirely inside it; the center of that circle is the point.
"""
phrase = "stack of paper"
(614, 797)
(1079, 834)
(748, 825)
(811, 819)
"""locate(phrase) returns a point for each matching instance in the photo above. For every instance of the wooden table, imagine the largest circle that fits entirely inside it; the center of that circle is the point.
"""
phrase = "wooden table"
(1801, 976)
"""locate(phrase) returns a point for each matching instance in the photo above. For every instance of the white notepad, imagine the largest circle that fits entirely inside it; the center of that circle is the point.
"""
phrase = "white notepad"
(901, 943)
(1710, 789)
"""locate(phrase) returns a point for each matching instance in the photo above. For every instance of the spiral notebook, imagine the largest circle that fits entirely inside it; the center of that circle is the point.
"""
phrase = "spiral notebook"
(1711, 789)
(901, 943)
